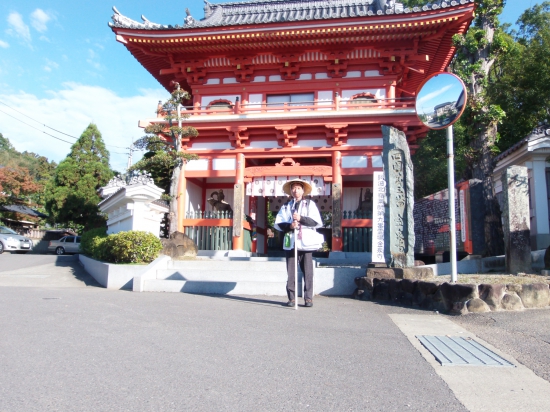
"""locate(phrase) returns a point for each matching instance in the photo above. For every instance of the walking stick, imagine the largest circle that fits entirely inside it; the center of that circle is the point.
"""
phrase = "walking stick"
(295, 269)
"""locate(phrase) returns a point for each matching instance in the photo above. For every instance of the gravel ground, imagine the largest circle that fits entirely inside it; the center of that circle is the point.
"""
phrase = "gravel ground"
(524, 335)
(492, 278)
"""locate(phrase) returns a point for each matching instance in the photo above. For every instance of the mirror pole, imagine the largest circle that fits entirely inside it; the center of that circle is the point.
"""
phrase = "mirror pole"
(452, 221)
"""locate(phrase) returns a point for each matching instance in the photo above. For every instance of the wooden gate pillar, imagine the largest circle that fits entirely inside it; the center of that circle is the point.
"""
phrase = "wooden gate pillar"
(238, 204)
(337, 243)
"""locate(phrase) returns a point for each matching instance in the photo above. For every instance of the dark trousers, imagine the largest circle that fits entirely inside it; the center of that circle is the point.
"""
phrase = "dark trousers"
(306, 264)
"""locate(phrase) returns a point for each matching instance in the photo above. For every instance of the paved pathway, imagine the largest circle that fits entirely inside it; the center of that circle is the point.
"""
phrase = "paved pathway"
(69, 345)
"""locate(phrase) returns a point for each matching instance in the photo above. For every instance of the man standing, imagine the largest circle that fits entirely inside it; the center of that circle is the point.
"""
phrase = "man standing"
(300, 214)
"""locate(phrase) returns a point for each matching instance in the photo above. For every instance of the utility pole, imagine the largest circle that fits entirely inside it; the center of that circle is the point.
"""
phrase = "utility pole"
(131, 148)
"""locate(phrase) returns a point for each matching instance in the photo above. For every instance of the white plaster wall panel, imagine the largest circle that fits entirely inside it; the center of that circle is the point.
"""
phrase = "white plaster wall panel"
(224, 164)
(305, 76)
(269, 186)
(377, 161)
(212, 146)
(373, 73)
(228, 195)
(364, 142)
(258, 79)
(311, 143)
(328, 189)
(280, 181)
(324, 98)
(349, 162)
(229, 80)
(248, 189)
(317, 186)
(213, 81)
(262, 144)
(324, 203)
(258, 186)
(321, 76)
(347, 94)
(193, 198)
(206, 100)
(275, 78)
(255, 101)
(198, 164)
(352, 74)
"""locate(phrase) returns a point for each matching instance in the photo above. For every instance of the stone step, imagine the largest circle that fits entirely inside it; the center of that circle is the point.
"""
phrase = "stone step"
(223, 274)
(216, 288)
(231, 264)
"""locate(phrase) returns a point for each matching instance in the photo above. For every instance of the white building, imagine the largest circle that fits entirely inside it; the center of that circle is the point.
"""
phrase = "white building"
(133, 205)
(532, 152)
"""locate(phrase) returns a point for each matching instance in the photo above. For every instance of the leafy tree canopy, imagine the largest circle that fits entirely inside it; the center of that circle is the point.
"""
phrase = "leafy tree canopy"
(71, 196)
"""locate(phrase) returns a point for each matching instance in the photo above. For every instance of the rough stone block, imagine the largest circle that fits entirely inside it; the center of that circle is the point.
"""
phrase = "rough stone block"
(179, 246)
(384, 273)
(476, 305)
(406, 299)
(427, 288)
(492, 294)
(408, 285)
(511, 301)
(380, 291)
(394, 288)
(456, 293)
(366, 284)
(512, 287)
(536, 295)
(418, 273)
(367, 295)
(459, 308)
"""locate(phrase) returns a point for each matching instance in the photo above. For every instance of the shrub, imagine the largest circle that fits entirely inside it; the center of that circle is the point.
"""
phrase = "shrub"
(130, 247)
(90, 239)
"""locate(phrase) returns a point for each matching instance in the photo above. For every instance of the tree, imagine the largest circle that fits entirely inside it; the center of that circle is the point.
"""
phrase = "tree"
(165, 156)
(71, 196)
(477, 52)
(523, 76)
(16, 184)
(24, 177)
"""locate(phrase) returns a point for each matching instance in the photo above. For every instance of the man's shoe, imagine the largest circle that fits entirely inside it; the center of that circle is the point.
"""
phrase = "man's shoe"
(291, 303)
(309, 303)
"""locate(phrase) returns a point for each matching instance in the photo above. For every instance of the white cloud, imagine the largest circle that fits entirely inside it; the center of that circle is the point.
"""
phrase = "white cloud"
(18, 27)
(50, 65)
(70, 110)
(93, 60)
(4, 44)
(39, 20)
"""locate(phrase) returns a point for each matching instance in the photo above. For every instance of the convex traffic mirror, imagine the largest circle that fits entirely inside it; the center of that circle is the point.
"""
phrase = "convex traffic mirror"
(440, 100)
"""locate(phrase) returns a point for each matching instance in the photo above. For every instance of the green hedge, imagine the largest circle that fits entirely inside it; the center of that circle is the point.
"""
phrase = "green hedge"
(89, 239)
(124, 247)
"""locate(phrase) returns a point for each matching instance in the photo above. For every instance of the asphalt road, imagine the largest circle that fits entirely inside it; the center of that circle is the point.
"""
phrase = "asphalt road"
(68, 345)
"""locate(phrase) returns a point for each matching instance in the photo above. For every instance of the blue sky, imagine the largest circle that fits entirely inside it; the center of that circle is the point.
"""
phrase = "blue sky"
(61, 68)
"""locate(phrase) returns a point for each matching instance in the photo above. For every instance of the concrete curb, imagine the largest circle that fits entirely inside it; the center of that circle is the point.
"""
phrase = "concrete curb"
(115, 276)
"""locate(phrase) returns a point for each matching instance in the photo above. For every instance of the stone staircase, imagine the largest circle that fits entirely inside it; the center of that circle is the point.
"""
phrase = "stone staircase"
(219, 275)
(222, 276)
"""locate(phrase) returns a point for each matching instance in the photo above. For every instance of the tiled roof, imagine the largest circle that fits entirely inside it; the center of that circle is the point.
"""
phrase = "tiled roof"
(538, 132)
(276, 11)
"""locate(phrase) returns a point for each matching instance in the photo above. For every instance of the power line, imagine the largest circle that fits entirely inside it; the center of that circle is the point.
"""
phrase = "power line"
(35, 128)
(58, 131)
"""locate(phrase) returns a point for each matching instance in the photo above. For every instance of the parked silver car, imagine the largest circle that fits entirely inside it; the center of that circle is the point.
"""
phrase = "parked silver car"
(67, 244)
(11, 241)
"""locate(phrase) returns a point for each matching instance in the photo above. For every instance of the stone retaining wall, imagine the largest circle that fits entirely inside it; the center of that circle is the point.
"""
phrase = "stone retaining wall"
(453, 298)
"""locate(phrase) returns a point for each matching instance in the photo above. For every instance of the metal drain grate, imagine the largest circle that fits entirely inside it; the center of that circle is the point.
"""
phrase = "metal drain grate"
(458, 351)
